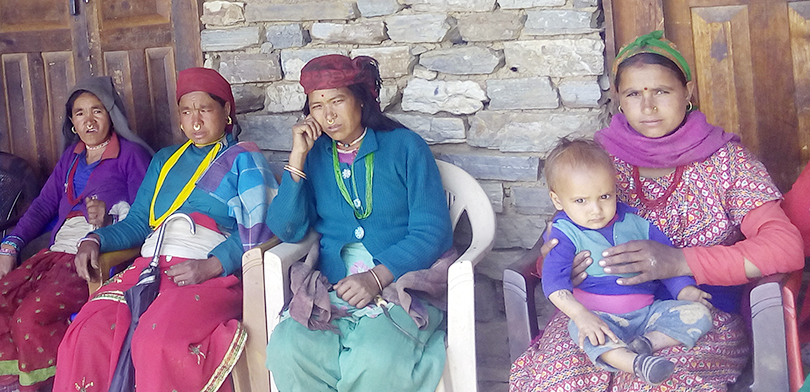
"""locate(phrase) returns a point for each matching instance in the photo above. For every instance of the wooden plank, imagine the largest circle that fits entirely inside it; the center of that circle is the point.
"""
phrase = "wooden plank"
(799, 16)
(60, 76)
(124, 11)
(774, 91)
(45, 41)
(723, 63)
(186, 18)
(162, 87)
(145, 36)
(26, 110)
(117, 66)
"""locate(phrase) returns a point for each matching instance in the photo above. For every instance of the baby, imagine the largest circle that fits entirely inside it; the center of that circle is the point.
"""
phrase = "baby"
(581, 182)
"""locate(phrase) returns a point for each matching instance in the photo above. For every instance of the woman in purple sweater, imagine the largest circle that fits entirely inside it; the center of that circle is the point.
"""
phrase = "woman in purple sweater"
(91, 186)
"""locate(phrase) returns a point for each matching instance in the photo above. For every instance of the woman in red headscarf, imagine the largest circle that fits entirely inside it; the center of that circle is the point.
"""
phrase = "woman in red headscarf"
(189, 338)
(372, 189)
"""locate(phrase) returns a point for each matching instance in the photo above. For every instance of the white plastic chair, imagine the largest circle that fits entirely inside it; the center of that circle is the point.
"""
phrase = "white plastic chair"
(266, 286)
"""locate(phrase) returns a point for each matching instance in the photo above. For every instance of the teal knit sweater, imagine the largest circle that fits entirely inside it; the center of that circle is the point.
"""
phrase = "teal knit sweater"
(409, 227)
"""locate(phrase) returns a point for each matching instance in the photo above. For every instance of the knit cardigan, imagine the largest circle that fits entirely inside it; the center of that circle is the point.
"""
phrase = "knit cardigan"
(409, 226)
(116, 178)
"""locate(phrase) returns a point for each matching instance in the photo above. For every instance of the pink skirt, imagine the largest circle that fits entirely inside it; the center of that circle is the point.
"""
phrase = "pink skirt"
(188, 340)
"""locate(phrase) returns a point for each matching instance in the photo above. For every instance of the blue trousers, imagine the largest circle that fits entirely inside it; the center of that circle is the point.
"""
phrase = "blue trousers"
(684, 321)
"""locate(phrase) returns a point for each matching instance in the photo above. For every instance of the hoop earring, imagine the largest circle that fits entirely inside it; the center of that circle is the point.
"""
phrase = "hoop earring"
(620, 109)
(73, 129)
(230, 120)
(689, 107)
(181, 128)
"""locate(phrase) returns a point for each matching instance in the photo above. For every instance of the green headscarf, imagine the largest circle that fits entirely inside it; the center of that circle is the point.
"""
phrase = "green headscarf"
(653, 43)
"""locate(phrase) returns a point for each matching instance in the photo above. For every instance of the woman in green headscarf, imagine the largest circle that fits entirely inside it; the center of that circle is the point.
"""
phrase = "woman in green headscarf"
(708, 194)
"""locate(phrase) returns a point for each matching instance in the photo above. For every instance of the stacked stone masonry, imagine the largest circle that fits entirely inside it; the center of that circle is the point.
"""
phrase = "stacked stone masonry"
(490, 84)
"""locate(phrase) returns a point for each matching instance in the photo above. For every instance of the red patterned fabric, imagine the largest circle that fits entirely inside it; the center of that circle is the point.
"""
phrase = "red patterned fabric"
(708, 206)
(36, 302)
(188, 339)
(555, 362)
(336, 71)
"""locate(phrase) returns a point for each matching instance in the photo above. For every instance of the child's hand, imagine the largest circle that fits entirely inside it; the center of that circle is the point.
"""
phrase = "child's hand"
(593, 328)
(692, 293)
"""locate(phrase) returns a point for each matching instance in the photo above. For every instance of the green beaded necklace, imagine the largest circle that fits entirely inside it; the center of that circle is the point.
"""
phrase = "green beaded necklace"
(359, 211)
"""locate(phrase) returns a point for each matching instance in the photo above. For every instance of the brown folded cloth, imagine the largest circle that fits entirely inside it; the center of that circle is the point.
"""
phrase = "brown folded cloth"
(311, 307)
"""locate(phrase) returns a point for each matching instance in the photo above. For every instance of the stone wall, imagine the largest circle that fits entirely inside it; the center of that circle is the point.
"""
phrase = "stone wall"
(490, 84)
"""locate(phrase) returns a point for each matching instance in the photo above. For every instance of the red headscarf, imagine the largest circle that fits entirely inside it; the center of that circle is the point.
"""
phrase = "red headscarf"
(206, 80)
(336, 71)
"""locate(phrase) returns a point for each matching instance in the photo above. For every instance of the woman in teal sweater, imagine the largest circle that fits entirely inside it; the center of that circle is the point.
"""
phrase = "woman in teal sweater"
(372, 189)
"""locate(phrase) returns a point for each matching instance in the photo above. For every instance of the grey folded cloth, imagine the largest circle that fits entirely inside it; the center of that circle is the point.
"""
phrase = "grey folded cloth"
(311, 306)
(310, 303)
(426, 284)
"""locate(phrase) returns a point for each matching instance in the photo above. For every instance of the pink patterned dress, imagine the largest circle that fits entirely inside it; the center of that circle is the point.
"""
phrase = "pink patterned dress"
(706, 208)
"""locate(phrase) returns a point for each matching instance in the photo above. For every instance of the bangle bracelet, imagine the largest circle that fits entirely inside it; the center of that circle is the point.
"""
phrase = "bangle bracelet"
(296, 171)
(7, 252)
(9, 240)
(379, 284)
(78, 244)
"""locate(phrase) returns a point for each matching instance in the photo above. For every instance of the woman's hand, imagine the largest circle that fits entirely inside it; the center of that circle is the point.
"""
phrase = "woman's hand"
(195, 271)
(304, 135)
(7, 263)
(652, 260)
(97, 212)
(360, 289)
(87, 256)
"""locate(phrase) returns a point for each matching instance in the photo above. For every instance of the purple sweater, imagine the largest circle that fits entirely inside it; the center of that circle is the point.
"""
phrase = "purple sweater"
(116, 178)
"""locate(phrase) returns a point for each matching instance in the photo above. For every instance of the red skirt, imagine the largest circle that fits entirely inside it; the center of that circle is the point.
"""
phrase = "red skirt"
(556, 363)
(36, 301)
(188, 340)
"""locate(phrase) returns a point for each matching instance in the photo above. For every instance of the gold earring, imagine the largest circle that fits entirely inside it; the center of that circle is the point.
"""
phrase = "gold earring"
(230, 120)
(689, 107)
(181, 128)
(72, 129)
(620, 109)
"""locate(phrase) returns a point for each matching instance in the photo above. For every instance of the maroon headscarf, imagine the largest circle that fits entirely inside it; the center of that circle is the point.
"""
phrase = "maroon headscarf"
(209, 81)
(336, 71)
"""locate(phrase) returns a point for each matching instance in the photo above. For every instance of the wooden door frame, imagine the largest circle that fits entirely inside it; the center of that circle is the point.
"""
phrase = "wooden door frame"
(647, 18)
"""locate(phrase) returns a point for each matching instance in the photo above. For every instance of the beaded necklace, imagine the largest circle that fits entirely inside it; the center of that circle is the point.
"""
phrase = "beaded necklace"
(186, 191)
(653, 204)
(357, 206)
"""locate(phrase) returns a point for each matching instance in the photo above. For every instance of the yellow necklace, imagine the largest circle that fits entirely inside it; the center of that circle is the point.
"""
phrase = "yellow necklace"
(186, 191)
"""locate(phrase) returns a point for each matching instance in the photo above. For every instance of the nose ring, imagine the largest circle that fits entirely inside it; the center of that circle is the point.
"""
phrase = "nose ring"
(197, 127)
(330, 121)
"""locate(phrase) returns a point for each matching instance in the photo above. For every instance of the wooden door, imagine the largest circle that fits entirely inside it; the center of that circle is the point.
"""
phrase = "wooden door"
(750, 65)
(45, 49)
